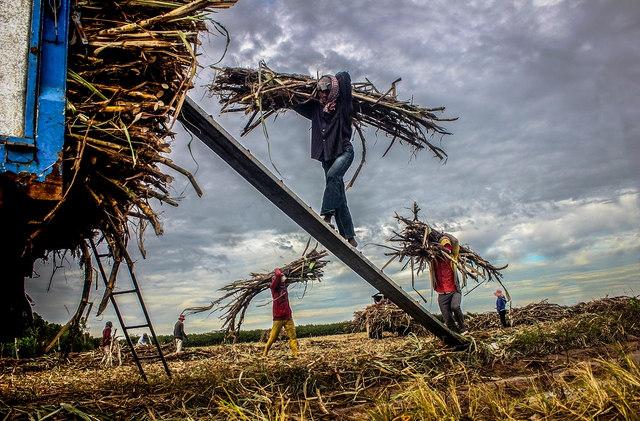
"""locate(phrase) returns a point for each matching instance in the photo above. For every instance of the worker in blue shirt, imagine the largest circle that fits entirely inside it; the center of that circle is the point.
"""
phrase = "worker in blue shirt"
(501, 307)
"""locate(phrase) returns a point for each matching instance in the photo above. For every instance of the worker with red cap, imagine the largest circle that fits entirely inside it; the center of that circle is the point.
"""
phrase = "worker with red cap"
(178, 333)
(282, 315)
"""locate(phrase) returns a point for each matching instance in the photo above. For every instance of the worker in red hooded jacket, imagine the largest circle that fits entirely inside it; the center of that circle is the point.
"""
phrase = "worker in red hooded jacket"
(281, 313)
(444, 280)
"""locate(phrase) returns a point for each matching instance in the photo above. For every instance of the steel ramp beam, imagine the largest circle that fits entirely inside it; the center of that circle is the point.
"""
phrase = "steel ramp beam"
(240, 159)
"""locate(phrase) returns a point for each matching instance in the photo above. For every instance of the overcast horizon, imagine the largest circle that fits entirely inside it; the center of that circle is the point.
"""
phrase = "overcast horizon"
(543, 165)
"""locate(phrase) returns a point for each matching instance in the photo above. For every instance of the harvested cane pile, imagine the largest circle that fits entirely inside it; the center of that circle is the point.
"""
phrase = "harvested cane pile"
(384, 317)
(130, 66)
(544, 311)
(125, 89)
(421, 243)
(239, 294)
(263, 93)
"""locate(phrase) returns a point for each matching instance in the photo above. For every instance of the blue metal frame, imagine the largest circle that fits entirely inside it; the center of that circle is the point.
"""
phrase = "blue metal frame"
(40, 148)
(32, 75)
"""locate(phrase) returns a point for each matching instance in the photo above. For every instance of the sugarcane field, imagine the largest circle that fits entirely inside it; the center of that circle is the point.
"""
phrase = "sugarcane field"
(292, 210)
(552, 362)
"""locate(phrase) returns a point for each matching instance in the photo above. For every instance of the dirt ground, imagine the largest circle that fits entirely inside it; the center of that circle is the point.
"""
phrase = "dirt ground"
(555, 364)
(337, 375)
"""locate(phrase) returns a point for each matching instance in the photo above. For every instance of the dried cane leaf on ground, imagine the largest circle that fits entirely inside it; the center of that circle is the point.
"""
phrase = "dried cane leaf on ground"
(263, 93)
(237, 296)
(420, 243)
(347, 377)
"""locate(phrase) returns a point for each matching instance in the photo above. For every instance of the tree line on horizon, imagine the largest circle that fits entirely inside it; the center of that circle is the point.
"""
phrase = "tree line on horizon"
(40, 334)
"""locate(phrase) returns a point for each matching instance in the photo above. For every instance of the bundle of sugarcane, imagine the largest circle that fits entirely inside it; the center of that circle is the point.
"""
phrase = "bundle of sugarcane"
(130, 66)
(239, 294)
(421, 243)
(262, 93)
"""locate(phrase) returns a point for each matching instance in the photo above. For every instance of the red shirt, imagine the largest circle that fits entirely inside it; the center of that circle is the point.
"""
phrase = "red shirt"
(444, 275)
(281, 309)
(106, 336)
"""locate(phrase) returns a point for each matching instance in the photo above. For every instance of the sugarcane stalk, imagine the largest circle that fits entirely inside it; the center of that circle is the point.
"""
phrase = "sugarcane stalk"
(111, 282)
(416, 242)
(138, 202)
(239, 294)
(179, 12)
(169, 163)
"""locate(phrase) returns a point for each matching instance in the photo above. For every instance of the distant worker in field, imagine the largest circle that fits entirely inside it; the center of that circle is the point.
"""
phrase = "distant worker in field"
(444, 280)
(331, 145)
(281, 313)
(178, 333)
(106, 342)
(145, 339)
(501, 307)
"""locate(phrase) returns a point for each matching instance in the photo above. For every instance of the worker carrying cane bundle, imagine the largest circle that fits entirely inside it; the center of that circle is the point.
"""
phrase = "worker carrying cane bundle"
(282, 315)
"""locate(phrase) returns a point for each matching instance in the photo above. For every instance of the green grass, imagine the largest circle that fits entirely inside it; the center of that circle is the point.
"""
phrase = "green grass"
(248, 336)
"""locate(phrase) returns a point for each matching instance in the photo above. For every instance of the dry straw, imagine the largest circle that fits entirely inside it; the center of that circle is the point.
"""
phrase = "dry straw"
(345, 377)
(262, 93)
(130, 66)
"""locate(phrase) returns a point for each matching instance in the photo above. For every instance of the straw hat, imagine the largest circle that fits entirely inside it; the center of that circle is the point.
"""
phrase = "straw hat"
(445, 240)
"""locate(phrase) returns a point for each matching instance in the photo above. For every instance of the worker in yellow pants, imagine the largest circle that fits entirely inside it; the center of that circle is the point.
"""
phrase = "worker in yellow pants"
(281, 313)
(290, 328)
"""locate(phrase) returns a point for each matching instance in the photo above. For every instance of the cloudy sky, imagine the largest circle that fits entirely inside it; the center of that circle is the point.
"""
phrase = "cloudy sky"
(543, 169)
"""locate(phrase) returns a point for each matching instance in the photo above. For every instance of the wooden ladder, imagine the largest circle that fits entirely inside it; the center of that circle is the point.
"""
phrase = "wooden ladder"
(135, 291)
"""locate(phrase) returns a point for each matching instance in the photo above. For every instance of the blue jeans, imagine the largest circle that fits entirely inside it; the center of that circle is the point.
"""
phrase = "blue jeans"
(334, 200)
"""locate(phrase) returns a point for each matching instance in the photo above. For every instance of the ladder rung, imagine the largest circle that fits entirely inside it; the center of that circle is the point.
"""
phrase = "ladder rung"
(129, 291)
(136, 326)
(149, 357)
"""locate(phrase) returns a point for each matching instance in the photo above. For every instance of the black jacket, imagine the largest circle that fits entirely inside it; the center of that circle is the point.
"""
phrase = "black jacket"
(330, 132)
(178, 331)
